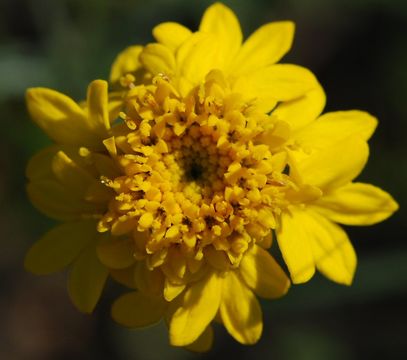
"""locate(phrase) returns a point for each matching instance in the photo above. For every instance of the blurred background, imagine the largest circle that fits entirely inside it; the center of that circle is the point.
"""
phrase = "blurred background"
(358, 50)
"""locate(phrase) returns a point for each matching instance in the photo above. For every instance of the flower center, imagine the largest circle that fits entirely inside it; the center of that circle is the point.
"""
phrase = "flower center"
(196, 179)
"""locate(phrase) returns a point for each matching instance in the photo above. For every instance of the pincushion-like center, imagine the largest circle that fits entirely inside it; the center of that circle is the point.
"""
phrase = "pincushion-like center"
(196, 178)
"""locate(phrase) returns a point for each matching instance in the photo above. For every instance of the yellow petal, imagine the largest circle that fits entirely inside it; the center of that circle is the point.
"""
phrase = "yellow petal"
(98, 111)
(116, 253)
(124, 276)
(197, 56)
(294, 243)
(39, 166)
(138, 310)
(336, 126)
(59, 247)
(302, 111)
(263, 274)
(171, 34)
(53, 199)
(240, 311)
(204, 342)
(264, 47)
(171, 291)
(222, 22)
(280, 82)
(198, 308)
(149, 282)
(333, 253)
(158, 59)
(126, 62)
(105, 165)
(357, 204)
(72, 176)
(87, 279)
(60, 117)
(334, 166)
(115, 104)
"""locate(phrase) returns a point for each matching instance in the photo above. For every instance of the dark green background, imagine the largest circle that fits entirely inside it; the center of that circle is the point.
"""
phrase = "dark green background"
(358, 50)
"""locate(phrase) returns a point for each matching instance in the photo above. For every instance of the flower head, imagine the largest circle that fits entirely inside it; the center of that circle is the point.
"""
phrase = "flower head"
(215, 148)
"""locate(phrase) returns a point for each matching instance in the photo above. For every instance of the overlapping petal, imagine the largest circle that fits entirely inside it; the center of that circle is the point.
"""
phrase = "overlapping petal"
(199, 306)
(204, 342)
(264, 47)
(60, 185)
(334, 166)
(59, 247)
(171, 34)
(263, 274)
(333, 253)
(302, 111)
(157, 59)
(137, 310)
(295, 245)
(195, 58)
(87, 279)
(357, 204)
(322, 244)
(116, 252)
(126, 62)
(240, 310)
(65, 121)
(334, 127)
(282, 82)
(222, 22)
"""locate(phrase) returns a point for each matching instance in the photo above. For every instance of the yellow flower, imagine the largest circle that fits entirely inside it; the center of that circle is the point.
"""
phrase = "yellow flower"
(216, 147)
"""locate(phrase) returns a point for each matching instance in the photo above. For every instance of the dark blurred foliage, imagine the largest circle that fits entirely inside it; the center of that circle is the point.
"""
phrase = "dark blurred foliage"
(358, 50)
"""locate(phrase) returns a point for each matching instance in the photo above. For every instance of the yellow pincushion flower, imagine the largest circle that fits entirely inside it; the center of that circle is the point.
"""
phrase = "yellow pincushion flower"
(216, 148)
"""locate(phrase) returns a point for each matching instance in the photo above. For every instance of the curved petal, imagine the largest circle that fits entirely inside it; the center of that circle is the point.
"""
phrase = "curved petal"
(197, 310)
(171, 34)
(97, 106)
(72, 176)
(222, 22)
(124, 276)
(149, 282)
(197, 56)
(281, 82)
(295, 245)
(240, 311)
(158, 59)
(137, 310)
(300, 112)
(336, 126)
(126, 62)
(263, 274)
(204, 342)
(53, 199)
(171, 290)
(116, 253)
(39, 166)
(334, 166)
(264, 47)
(357, 204)
(60, 117)
(333, 253)
(86, 280)
(59, 247)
